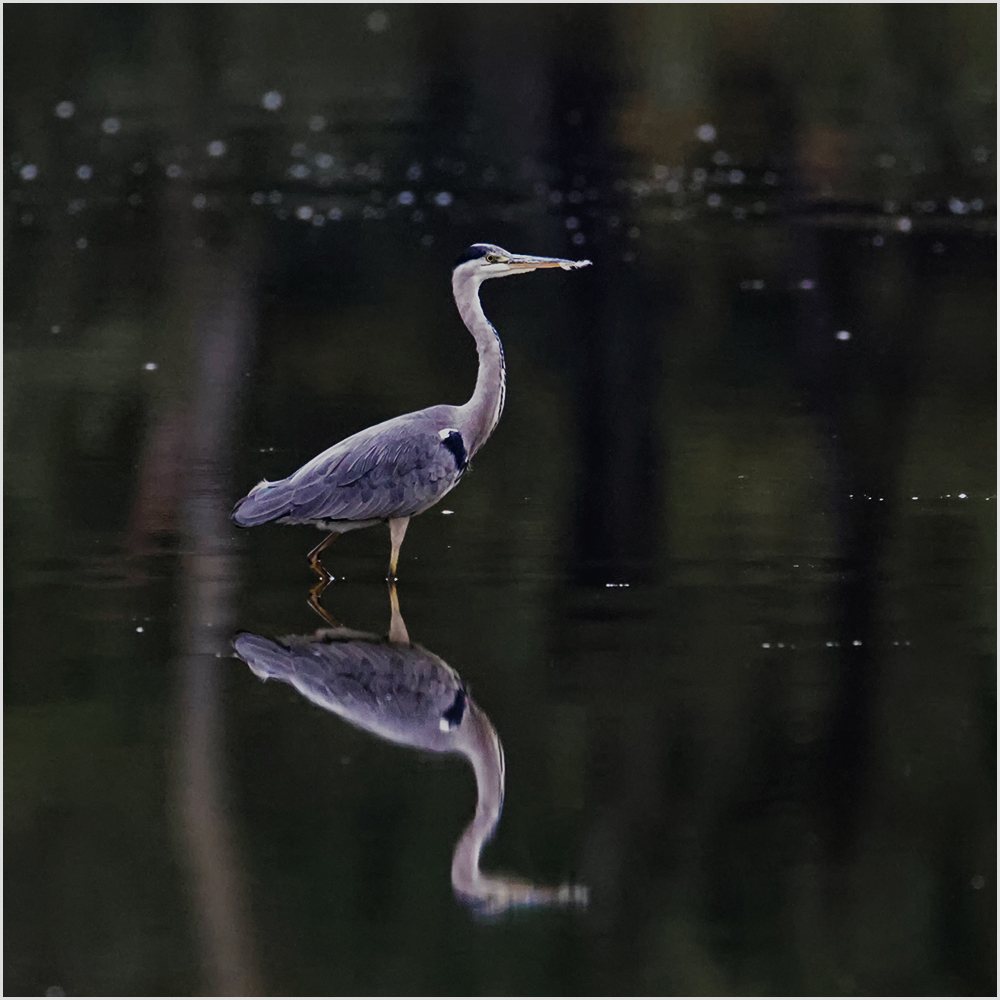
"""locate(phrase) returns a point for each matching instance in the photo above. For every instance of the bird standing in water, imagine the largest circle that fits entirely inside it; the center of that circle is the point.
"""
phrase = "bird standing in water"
(399, 468)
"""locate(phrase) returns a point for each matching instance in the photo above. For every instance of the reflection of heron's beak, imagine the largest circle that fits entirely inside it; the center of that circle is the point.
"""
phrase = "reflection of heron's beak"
(524, 262)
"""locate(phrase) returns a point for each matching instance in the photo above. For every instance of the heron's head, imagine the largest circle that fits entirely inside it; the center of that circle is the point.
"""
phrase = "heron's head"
(485, 260)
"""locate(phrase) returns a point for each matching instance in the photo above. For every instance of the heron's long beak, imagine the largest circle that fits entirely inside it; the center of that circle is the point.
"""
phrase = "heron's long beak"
(524, 262)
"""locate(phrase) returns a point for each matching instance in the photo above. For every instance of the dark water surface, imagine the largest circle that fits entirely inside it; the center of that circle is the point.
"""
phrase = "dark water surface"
(723, 581)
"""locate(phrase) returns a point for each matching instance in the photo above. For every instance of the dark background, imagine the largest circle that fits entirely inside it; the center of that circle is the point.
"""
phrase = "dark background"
(766, 415)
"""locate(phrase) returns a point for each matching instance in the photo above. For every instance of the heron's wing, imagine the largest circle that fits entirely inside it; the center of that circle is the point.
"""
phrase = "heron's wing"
(394, 469)
(398, 692)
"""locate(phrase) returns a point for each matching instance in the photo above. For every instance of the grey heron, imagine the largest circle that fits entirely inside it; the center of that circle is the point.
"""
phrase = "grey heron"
(399, 468)
(403, 693)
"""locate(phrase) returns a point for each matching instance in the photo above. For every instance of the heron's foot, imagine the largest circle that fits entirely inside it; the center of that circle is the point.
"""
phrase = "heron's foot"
(319, 569)
(315, 565)
(314, 595)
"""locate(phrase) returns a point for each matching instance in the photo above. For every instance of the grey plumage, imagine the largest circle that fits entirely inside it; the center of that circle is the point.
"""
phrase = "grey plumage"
(395, 469)
(399, 468)
(400, 692)
(403, 693)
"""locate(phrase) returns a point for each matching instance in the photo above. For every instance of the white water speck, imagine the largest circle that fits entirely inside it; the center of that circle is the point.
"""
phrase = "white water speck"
(150, 366)
(65, 109)
(616, 585)
(84, 172)
(200, 202)
(406, 198)
(82, 243)
(706, 132)
(765, 645)
(578, 240)
(299, 171)
(317, 123)
(443, 199)
(903, 224)
(572, 222)
(807, 284)
(174, 171)
(257, 198)
(324, 161)
(878, 241)
(216, 148)
(139, 628)
(29, 172)
(272, 101)
(843, 335)
(377, 21)
(447, 512)
(713, 200)
(736, 176)
(304, 212)
(961, 496)
(957, 207)
(856, 642)
(56, 328)
(111, 126)
(334, 214)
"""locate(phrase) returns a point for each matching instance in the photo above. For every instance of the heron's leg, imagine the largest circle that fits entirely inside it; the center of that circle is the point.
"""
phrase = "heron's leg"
(317, 566)
(314, 596)
(397, 627)
(397, 529)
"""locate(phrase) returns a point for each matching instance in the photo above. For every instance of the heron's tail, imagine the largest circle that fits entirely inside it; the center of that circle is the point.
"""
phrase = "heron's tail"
(265, 502)
(264, 657)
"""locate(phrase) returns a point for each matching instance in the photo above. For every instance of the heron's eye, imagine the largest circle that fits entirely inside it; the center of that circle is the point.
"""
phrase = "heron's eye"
(491, 258)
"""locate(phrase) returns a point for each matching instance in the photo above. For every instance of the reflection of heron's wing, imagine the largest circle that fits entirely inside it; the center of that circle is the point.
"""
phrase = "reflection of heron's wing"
(402, 693)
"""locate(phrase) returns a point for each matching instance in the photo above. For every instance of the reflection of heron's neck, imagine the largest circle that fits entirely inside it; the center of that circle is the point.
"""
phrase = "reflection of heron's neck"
(478, 740)
(480, 743)
(482, 411)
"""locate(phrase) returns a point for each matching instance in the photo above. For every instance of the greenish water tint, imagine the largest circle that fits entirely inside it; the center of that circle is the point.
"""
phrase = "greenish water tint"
(723, 580)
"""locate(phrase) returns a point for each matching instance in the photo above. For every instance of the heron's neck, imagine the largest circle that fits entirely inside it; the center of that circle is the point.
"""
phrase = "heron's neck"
(482, 412)
(481, 745)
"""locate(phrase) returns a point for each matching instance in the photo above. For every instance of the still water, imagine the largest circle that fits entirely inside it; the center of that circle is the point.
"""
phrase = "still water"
(719, 593)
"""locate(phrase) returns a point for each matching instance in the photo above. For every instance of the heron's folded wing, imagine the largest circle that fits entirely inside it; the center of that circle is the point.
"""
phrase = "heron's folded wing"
(392, 473)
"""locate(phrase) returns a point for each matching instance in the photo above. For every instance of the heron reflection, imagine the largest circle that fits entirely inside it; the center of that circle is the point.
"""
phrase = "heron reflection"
(405, 694)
